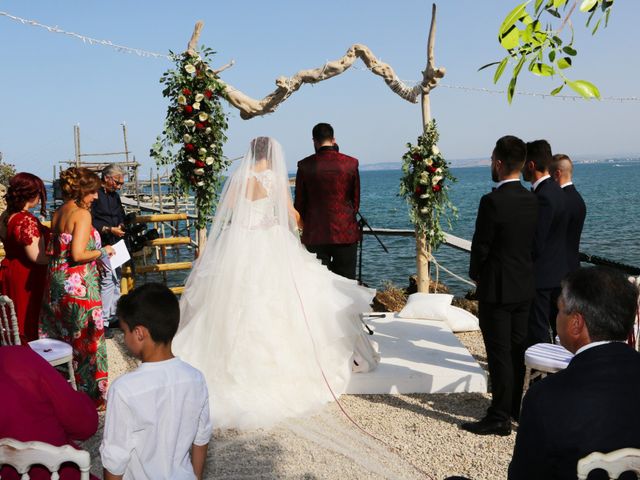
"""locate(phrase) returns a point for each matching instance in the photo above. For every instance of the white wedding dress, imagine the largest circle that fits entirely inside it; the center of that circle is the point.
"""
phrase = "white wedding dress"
(272, 330)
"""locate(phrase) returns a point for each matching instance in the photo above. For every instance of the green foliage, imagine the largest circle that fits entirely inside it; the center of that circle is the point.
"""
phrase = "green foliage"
(425, 186)
(7, 171)
(534, 34)
(194, 131)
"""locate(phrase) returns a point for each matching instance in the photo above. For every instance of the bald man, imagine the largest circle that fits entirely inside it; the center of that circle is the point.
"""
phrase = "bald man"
(561, 170)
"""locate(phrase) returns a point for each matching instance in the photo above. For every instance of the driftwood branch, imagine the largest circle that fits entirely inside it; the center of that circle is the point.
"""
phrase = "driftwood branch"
(191, 48)
(285, 87)
(432, 74)
(224, 67)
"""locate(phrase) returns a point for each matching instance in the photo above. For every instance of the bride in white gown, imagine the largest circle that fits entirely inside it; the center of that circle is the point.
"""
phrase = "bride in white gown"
(268, 325)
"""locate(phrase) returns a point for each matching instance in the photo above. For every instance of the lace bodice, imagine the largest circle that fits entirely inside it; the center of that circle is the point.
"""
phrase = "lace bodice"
(262, 212)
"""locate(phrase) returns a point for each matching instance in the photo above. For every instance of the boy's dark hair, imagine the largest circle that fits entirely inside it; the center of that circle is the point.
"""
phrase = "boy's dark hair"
(512, 152)
(539, 152)
(154, 307)
(322, 132)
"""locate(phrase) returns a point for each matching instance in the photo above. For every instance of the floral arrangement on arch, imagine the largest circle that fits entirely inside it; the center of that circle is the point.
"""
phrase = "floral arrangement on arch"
(425, 184)
(194, 131)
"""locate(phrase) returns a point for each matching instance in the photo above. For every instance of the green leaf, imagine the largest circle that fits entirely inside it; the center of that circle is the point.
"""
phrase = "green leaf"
(510, 20)
(557, 40)
(556, 91)
(570, 51)
(552, 55)
(537, 6)
(587, 5)
(564, 62)
(490, 64)
(500, 69)
(555, 13)
(584, 88)
(518, 67)
(558, 3)
(511, 89)
(511, 39)
(542, 70)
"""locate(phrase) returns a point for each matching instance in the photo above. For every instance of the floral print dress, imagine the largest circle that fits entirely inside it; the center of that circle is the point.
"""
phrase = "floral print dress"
(72, 312)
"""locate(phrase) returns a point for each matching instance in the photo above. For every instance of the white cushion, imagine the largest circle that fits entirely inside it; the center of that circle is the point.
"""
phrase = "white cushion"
(459, 320)
(547, 357)
(428, 306)
(50, 349)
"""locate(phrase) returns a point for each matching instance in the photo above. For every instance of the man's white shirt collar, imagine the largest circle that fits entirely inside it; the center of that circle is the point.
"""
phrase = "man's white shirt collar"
(499, 184)
(540, 180)
(566, 184)
(595, 344)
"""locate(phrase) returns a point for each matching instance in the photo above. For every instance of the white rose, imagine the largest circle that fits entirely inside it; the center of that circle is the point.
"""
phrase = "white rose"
(424, 178)
(438, 170)
(199, 171)
(196, 106)
(435, 150)
(423, 196)
(424, 210)
(209, 161)
(208, 130)
(428, 161)
(202, 151)
(186, 138)
(199, 184)
(182, 100)
(436, 179)
(191, 160)
(203, 116)
(199, 97)
(189, 68)
(189, 123)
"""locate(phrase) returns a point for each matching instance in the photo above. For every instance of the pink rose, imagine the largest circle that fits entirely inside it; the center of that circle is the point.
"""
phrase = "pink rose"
(96, 314)
(65, 238)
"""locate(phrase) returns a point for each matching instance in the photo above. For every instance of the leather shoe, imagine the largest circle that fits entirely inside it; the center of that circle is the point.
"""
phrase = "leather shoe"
(487, 426)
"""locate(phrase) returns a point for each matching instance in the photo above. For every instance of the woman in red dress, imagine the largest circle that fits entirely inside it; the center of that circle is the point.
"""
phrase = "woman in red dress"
(72, 306)
(24, 268)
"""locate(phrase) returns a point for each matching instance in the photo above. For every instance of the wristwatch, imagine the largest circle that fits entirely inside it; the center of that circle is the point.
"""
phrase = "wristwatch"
(106, 229)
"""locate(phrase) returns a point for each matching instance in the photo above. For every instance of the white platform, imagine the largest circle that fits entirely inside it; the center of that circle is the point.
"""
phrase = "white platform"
(419, 356)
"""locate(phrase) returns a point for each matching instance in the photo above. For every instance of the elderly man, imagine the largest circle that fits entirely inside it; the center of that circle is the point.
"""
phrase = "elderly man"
(592, 405)
(561, 171)
(108, 219)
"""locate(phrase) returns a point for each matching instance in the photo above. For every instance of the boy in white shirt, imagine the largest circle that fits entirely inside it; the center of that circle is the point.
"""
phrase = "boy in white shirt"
(159, 413)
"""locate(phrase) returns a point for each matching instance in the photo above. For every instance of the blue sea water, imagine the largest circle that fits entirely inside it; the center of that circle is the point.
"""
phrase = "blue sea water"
(612, 226)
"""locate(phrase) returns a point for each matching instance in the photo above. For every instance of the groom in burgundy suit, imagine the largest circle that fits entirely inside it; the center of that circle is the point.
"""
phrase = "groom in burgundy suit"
(328, 198)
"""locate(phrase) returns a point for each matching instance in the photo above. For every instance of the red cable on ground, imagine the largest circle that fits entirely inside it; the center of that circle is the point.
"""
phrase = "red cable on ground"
(391, 448)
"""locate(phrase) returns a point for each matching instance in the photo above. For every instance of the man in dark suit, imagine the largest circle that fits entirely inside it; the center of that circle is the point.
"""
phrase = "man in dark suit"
(561, 171)
(502, 266)
(550, 242)
(592, 405)
(328, 198)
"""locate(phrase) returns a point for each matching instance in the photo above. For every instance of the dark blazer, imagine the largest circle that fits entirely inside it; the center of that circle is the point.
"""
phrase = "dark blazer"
(501, 250)
(590, 406)
(577, 213)
(328, 197)
(550, 243)
(107, 211)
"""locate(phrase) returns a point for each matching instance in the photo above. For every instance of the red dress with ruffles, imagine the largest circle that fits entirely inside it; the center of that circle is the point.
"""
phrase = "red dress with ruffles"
(20, 279)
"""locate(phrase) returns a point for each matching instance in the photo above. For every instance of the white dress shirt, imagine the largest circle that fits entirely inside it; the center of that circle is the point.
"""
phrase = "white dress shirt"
(154, 415)
(539, 181)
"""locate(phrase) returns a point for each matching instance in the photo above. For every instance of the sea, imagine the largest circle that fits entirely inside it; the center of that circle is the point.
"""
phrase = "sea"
(612, 227)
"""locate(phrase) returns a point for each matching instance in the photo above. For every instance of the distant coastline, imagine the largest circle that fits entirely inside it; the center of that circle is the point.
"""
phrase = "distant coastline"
(481, 162)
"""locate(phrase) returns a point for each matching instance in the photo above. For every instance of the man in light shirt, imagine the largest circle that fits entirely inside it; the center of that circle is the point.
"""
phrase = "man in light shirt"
(592, 405)
(157, 425)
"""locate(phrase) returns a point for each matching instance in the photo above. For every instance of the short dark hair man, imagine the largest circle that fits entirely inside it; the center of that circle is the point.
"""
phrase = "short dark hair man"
(549, 247)
(328, 198)
(108, 219)
(561, 171)
(501, 265)
(592, 405)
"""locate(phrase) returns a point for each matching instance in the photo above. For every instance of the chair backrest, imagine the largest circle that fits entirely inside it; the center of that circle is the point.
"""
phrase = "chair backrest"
(22, 455)
(614, 463)
(9, 334)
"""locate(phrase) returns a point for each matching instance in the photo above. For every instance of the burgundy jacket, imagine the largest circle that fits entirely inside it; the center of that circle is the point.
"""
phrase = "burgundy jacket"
(328, 197)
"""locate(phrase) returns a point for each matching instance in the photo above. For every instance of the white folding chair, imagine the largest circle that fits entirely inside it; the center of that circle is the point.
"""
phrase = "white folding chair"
(542, 359)
(614, 463)
(23, 455)
(56, 352)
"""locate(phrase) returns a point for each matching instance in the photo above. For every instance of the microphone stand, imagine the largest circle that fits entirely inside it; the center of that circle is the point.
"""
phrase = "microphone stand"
(362, 222)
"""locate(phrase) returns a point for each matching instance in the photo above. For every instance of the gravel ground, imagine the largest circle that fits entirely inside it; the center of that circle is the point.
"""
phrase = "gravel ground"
(421, 434)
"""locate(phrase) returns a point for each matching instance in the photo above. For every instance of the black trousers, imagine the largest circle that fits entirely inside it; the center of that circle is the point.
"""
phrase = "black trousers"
(504, 330)
(542, 319)
(340, 258)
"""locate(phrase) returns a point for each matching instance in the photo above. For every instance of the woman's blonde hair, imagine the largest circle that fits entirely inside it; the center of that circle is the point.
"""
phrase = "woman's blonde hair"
(76, 182)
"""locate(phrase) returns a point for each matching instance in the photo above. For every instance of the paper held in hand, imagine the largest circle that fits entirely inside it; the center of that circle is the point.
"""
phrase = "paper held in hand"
(120, 256)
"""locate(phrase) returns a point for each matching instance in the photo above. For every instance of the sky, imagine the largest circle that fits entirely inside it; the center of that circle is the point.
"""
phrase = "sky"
(51, 82)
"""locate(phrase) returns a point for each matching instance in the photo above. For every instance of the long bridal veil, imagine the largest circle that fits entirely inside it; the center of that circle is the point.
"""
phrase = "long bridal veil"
(272, 329)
